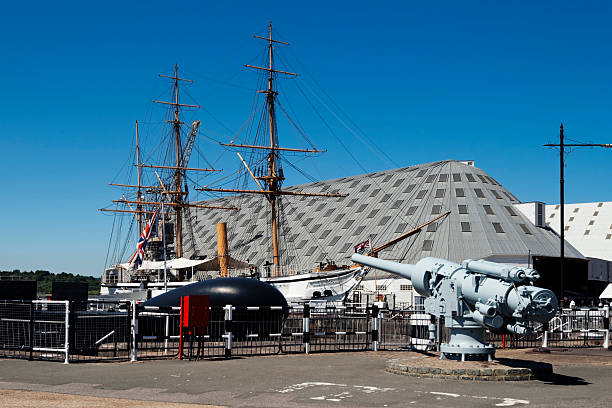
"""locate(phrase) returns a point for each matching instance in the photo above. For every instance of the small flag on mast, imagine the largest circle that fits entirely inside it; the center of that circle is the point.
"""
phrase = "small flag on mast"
(137, 258)
(362, 246)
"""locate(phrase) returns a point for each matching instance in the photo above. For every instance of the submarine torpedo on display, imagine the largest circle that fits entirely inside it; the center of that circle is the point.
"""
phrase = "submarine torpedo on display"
(240, 293)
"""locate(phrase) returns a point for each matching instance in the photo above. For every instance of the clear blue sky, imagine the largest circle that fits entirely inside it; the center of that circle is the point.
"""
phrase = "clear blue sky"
(489, 81)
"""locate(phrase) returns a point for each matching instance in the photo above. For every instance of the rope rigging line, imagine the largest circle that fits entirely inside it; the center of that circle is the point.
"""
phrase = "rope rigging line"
(209, 113)
(370, 143)
(110, 239)
(308, 232)
(332, 132)
(300, 131)
(284, 99)
(221, 82)
(303, 173)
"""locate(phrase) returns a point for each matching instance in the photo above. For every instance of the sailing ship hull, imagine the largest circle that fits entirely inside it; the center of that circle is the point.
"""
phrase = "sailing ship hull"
(328, 285)
(333, 286)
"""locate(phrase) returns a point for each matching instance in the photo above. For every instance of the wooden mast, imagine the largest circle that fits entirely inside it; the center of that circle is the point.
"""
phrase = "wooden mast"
(274, 178)
(177, 175)
(139, 192)
(273, 182)
(178, 196)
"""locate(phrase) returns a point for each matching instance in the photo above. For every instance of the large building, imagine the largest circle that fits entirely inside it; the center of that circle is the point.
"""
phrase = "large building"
(482, 222)
(587, 227)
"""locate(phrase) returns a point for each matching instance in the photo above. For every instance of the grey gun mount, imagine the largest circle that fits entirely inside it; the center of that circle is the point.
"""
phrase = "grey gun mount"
(474, 296)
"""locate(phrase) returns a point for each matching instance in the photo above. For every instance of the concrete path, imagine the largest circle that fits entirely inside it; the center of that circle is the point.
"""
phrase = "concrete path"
(319, 380)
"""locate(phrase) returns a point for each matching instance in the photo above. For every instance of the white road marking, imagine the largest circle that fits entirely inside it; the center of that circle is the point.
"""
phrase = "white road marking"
(447, 394)
(304, 385)
(505, 401)
(363, 388)
(369, 389)
(333, 397)
(509, 402)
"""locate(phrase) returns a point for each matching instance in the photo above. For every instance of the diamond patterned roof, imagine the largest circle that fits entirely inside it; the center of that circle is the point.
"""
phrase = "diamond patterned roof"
(380, 206)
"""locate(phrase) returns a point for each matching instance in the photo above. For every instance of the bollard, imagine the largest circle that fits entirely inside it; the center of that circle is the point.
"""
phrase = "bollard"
(306, 328)
(545, 336)
(438, 334)
(375, 327)
(431, 329)
(228, 330)
(134, 354)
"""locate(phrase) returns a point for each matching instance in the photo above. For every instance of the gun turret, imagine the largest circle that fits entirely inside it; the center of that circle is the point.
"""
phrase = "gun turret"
(474, 296)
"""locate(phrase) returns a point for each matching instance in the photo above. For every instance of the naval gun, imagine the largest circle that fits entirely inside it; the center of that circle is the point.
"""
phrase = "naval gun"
(474, 296)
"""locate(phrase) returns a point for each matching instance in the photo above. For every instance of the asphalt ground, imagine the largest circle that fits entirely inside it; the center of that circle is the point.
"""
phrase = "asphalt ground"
(580, 379)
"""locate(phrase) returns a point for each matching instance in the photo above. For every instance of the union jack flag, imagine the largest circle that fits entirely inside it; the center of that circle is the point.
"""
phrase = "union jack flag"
(137, 258)
(362, 246)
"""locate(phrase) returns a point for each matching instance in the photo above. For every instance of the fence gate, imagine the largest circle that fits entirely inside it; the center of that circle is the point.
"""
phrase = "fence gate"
(34, 329)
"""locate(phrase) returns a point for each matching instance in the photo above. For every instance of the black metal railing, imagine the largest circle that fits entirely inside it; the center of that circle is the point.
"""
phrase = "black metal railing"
(102, 330)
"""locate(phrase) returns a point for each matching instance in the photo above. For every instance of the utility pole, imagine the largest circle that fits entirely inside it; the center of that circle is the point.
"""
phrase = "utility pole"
(561, 145)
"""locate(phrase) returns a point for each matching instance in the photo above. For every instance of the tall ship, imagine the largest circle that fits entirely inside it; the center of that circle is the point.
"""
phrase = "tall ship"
(157, 207)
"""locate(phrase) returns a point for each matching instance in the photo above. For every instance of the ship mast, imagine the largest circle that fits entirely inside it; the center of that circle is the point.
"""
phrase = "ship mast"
(177, 198)
(139, 191)
(274, 178)
(274, 182)
(178, 185)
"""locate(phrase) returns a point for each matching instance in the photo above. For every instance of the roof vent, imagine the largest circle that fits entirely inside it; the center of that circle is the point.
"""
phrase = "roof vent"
(534, 211)
(467, 162)
(540, 214)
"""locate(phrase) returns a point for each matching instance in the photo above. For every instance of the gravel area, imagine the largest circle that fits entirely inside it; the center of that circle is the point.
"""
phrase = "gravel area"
(35, 399)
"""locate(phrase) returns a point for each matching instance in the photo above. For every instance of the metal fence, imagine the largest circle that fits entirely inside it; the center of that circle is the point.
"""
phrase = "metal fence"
(98, 330)
(404, 330)
(578, 327)
(34, 330)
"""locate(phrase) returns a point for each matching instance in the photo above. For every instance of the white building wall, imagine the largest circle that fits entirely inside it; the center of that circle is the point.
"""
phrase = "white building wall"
(588, 227)
(396, 292)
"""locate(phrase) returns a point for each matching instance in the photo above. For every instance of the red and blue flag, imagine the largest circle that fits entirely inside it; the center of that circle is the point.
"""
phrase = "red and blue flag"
(362, 246)
(138, 257)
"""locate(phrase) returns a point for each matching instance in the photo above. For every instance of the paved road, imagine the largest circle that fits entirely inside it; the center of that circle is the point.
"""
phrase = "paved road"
(320, 380)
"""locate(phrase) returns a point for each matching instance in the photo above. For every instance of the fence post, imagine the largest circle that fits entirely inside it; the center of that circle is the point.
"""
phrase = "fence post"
(228, 330)
(31, 330)
(606, 326)
(545, 336)
(67, 331)
(306, 328)
(134, 354)
(375, 327)
(166, 332)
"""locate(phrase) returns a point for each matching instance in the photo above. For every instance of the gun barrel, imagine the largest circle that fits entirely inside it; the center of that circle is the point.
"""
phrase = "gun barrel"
(405, 270)
(502, 271)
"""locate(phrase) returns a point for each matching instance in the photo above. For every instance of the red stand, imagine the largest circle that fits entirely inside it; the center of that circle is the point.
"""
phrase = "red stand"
(194, 315)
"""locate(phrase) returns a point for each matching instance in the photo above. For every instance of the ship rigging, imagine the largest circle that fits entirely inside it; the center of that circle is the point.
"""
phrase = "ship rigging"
(271, 176)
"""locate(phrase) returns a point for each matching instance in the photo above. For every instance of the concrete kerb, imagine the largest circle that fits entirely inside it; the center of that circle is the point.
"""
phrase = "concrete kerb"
(430, 367)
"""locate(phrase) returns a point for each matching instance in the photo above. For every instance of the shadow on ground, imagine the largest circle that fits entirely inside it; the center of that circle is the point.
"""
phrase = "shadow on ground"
(543, 372)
